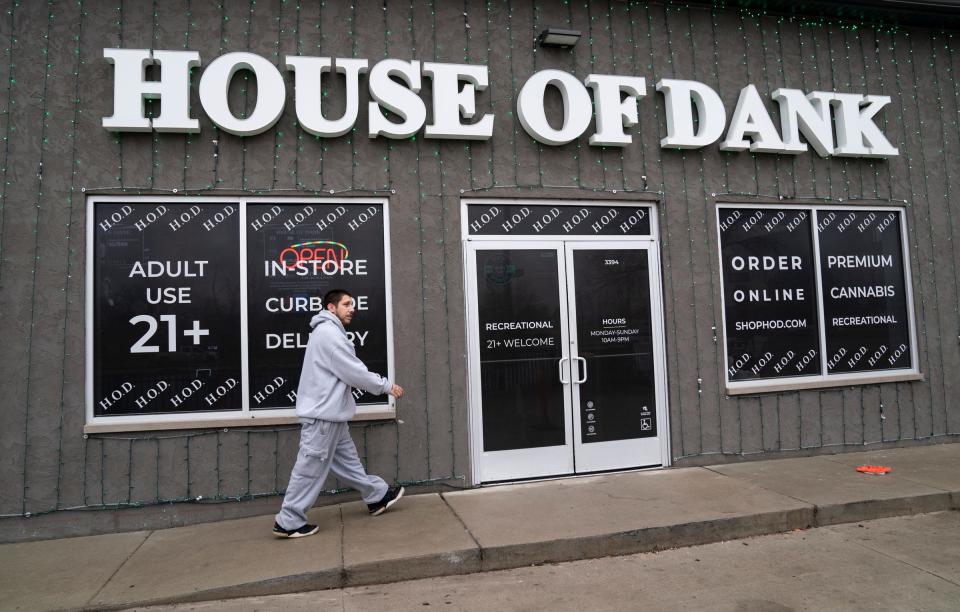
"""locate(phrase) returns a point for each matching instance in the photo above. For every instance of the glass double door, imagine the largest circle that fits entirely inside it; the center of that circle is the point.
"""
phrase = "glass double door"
(566, 361)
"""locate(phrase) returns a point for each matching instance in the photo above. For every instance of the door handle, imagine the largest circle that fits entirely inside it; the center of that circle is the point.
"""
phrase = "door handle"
(584, 379)
(560, 365)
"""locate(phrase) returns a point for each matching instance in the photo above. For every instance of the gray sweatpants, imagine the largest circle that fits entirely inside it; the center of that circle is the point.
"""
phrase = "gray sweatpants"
(325, 446)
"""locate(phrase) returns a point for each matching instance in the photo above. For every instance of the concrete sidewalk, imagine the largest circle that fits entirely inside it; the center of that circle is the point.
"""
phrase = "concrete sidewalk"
(477, 530)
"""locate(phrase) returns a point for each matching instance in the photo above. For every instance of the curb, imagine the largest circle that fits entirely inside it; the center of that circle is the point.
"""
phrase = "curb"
(852, 512)
(649, 539)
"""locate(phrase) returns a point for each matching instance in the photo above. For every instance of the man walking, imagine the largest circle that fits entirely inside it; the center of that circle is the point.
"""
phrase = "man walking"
(325, 406)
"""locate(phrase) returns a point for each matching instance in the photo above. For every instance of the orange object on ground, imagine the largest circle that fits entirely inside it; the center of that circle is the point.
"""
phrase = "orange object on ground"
(873, 469)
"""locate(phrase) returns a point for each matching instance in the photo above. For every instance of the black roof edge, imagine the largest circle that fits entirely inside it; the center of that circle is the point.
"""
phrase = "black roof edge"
(939, 14)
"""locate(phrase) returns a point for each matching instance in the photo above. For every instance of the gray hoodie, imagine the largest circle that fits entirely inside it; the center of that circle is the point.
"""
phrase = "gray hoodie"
(330, 369)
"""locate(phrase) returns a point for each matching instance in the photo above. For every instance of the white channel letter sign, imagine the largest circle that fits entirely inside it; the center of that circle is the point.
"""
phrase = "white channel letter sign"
(832, 123)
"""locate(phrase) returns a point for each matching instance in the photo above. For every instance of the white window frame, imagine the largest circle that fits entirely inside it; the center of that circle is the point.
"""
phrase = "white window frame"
(822, 380)
(245, 417)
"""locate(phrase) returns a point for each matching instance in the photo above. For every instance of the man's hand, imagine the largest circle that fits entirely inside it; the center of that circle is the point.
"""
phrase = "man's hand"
(396, 391)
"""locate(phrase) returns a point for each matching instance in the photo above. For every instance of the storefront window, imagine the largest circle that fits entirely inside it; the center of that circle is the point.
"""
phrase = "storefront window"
(199, 308)
(814, 296)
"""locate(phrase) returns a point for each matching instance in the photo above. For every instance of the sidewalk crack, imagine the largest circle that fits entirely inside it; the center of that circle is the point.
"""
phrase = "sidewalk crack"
(907, 563)
(917, 482)
(816, 507)
(465, 528)
(119, 567)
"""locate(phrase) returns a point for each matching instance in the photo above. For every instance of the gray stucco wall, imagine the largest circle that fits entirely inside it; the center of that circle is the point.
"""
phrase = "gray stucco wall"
(55, 87)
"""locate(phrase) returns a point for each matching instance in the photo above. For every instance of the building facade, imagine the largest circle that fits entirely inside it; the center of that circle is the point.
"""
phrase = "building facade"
(702, 233)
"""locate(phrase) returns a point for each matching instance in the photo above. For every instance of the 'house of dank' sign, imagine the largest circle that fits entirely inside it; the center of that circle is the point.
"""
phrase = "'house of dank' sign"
(394, 85)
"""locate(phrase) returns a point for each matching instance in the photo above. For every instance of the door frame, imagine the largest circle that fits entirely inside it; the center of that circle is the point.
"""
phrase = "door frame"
(474, 415)
(552, 460)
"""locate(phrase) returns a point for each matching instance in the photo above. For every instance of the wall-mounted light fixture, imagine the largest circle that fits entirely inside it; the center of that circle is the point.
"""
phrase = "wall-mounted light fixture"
(555, 37)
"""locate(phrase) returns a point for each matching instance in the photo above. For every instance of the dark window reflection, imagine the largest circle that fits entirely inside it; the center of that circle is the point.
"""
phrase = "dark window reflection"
(520, 327)
(617, 401)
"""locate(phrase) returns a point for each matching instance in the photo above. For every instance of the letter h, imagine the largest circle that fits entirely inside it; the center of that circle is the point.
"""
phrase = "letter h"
(130, 89)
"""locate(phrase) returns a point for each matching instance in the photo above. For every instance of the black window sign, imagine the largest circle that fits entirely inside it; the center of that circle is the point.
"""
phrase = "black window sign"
(864, 293)
(813, 294)
(615, 338)
(200, 308)
(549, 220)
(166, 308)
(769, 293)
(520, 348)
(296, 252)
